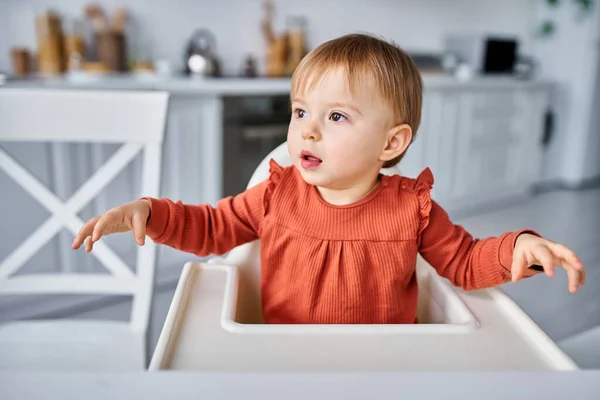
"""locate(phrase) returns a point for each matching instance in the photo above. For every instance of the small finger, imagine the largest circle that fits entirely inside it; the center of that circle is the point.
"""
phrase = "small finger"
(563, 252)
(545, 258)
(89, 245)
(574, 279)
(139, 228)
(568, 266)
(84, 232)
(102, 227)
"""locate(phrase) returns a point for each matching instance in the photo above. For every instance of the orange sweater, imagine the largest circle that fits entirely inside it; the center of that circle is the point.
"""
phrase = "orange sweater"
(322, 263)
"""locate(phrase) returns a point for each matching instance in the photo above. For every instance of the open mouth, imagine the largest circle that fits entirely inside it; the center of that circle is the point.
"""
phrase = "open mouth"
(308, 156)
(309, 160)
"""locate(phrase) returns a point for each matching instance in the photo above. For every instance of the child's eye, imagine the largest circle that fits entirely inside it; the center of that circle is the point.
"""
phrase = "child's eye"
(300, 113)
(337, 117)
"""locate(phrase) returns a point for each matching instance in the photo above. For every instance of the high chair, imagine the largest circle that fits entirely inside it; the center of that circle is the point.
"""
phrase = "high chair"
(136, 120)
(215, 323)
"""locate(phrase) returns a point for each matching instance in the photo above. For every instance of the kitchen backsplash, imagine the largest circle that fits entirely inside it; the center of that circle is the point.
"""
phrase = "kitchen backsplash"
(161, 29)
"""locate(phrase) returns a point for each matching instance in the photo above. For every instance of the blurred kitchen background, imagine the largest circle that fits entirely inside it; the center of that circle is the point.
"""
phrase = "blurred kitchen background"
(511, 124)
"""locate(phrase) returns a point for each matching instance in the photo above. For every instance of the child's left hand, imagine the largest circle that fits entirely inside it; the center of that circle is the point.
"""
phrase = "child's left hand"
(533, 250)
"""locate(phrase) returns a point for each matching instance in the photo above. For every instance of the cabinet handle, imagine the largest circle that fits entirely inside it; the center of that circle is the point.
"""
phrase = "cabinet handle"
(548, 128)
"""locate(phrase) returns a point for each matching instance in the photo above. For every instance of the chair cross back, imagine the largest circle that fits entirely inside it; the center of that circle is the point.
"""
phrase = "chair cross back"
(136, 120)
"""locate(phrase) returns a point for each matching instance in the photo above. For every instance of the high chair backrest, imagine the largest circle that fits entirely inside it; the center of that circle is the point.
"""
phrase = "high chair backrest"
(247, 256)
(134, 119)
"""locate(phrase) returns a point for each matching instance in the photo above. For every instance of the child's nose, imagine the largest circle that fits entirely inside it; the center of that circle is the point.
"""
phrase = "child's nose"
(311, 134)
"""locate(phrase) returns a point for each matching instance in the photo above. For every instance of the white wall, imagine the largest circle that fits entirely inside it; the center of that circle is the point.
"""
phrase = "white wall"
(591, 164)
(166, 26)
(571, 59)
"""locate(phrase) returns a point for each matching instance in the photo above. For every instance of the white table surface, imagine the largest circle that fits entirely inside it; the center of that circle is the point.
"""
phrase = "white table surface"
(578, 385)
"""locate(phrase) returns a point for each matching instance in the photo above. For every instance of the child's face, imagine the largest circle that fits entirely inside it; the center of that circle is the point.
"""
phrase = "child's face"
(335, 138)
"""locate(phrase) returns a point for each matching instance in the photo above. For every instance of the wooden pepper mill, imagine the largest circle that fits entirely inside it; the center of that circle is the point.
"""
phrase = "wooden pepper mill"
(296, 38)
(50, 44)
(277, 46)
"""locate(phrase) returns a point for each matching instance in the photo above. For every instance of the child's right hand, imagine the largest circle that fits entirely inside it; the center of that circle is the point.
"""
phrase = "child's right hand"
(130, 216)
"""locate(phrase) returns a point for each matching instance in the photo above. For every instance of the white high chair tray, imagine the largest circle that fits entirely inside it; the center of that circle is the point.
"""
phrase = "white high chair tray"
(458, 330)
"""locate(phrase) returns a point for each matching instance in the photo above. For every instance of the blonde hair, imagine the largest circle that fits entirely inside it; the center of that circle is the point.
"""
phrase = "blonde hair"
(361, 55)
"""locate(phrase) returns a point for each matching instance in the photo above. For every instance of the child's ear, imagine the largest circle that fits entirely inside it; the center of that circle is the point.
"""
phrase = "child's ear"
(397, 140)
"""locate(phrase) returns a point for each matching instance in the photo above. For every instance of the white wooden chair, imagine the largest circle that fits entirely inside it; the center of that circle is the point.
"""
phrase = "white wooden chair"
(137, 121)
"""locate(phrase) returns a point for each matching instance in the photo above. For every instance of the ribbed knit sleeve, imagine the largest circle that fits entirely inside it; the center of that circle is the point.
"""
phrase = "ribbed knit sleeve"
(468, 262)
(204, 230)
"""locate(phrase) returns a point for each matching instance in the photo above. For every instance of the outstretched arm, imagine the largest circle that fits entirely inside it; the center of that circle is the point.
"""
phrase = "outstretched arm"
(473, 263)
(202, 229)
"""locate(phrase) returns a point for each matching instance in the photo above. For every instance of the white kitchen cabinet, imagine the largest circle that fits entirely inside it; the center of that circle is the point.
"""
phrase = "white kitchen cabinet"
(434, 143)
(483, 146)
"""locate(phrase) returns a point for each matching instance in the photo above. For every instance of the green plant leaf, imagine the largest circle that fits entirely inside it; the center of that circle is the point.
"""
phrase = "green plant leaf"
(584, 5)
(547, 28)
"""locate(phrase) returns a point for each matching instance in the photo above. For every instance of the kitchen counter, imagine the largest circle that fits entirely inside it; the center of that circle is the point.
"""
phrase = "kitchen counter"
(182, 85)
(173, 85)
(581, 385)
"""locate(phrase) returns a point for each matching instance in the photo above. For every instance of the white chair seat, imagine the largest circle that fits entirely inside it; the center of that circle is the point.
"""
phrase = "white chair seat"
(70, 345)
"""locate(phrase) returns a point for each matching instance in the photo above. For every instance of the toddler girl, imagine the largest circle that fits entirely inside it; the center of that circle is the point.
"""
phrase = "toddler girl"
(339, 240)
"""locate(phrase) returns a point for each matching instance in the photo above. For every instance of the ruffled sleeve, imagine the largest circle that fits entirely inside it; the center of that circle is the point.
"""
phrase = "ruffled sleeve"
(423, 185)
(275, 174)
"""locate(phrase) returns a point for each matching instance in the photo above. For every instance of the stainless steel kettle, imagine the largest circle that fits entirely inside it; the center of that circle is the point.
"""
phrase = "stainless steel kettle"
(200, 57)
